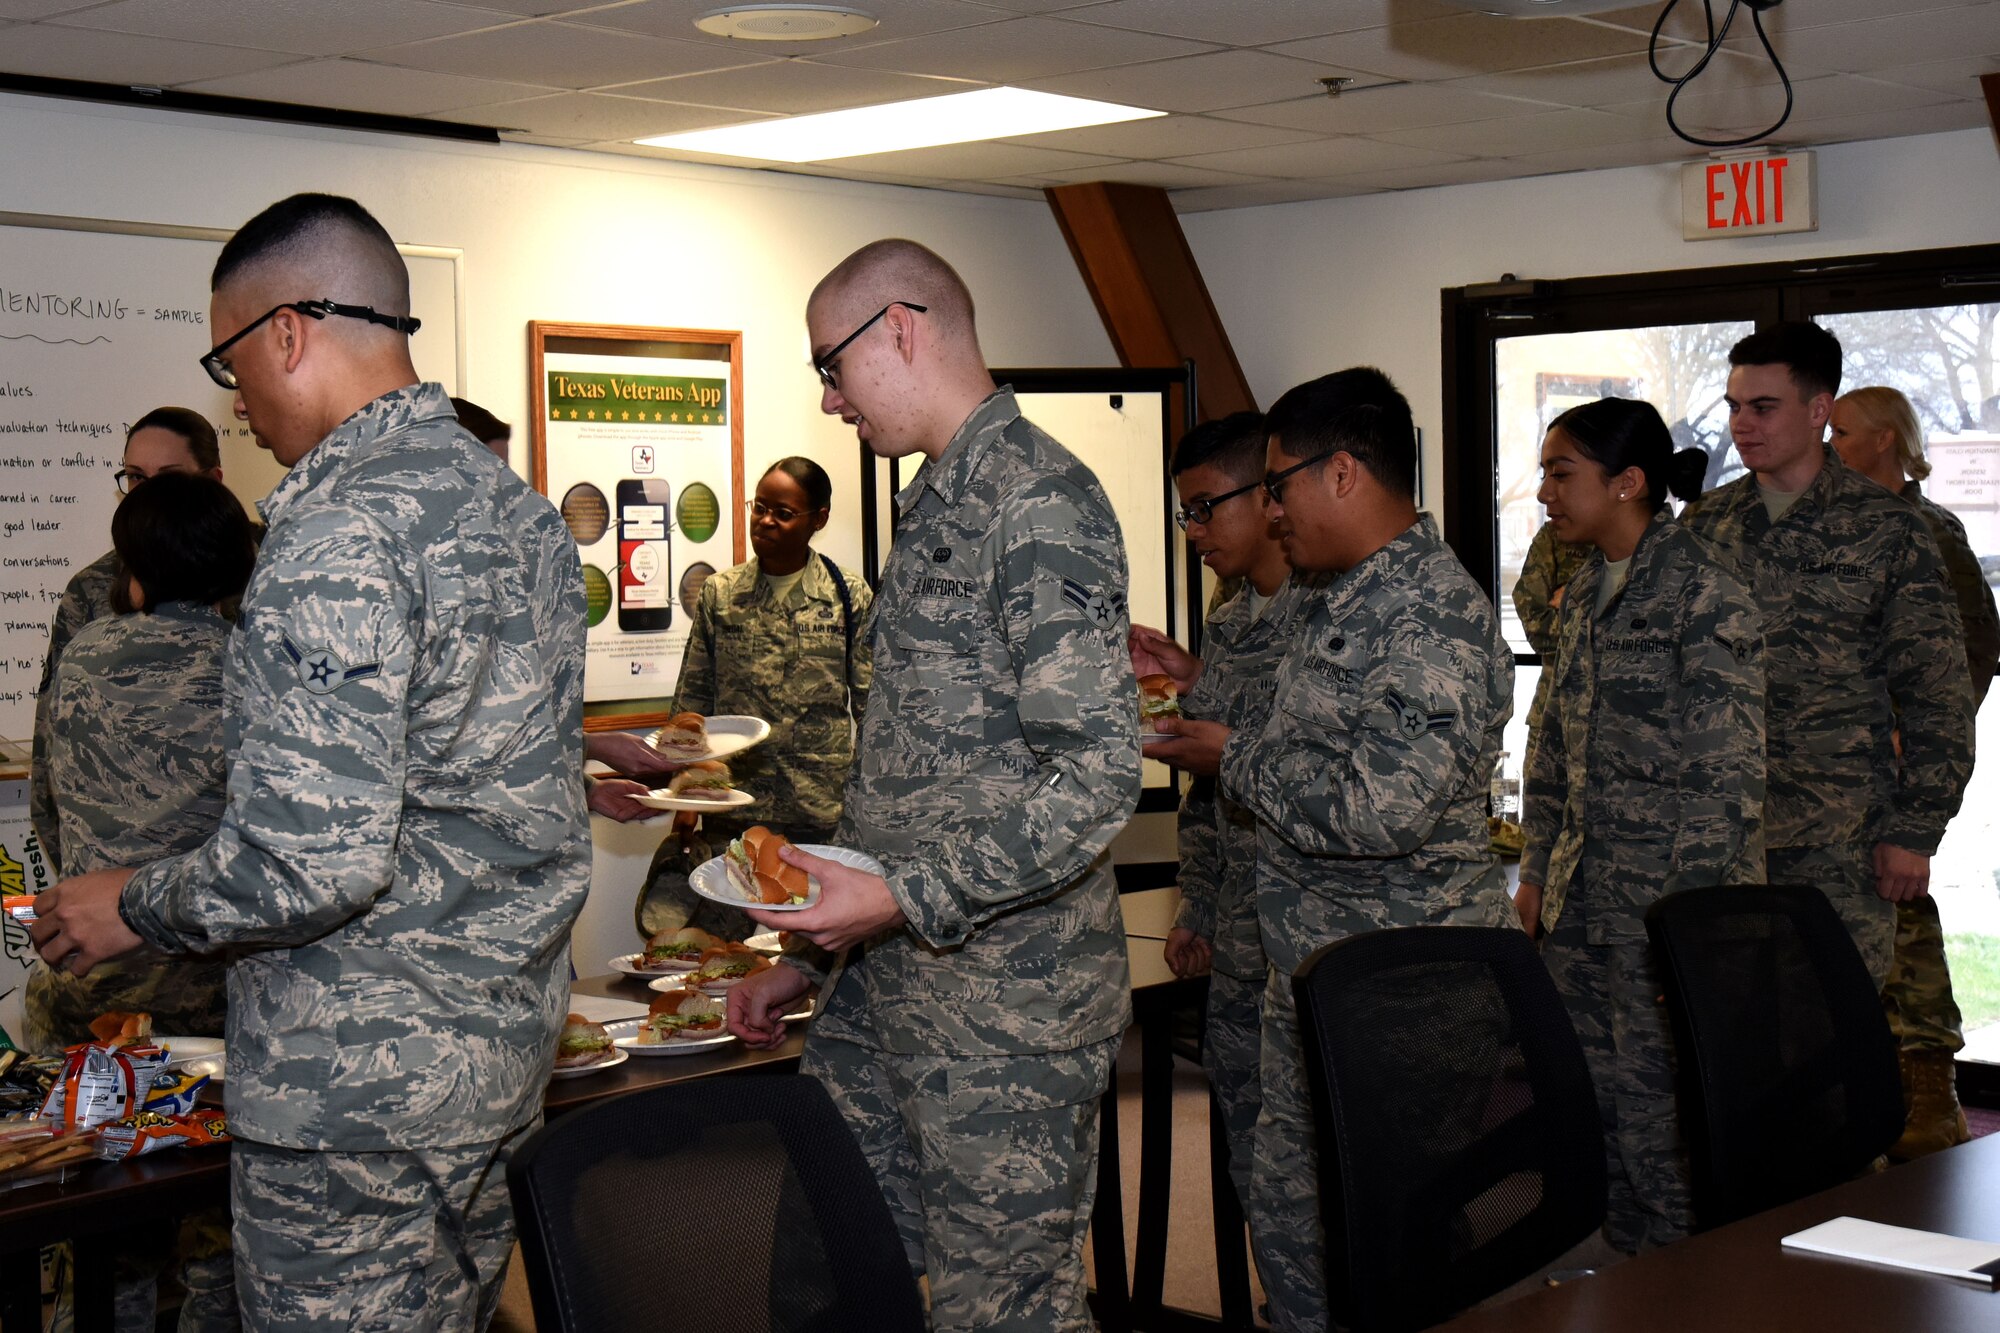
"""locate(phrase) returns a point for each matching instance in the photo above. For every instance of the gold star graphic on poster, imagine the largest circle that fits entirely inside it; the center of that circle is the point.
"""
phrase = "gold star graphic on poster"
(657, 416)
(624, 416)
(572, 414)
(675, 417)
(591, 414)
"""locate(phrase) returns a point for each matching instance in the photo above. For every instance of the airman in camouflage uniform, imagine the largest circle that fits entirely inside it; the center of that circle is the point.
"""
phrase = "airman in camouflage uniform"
(1861, 638)
(788, 664)
(1550, 565)
(1218, 854)
(1923, 1013)
(1369, 783)
(1647, 778)
(86, 598)
(998, 758)
(405, 847)
(135, 765)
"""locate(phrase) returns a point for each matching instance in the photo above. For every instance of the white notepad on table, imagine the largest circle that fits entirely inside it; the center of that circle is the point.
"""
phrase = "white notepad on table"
(604, 1009)
(1902, 1247)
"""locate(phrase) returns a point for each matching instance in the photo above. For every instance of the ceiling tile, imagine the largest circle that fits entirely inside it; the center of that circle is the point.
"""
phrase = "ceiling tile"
(1547, 132)
(1956, 78)
(1036, 6)
(303, 27)
(562, 54)
(898, 19)
(1467, 44)
(355, 85)
(1165, 136)
(1320, 158)
(40, 9)
(1936, 119)
(1209, 82)
(1266, 192)
(1686, 21)
(600, 116)
(538, 8)
(1608, 156)
(1612, 80)
(1399, 106)
(1440, 173)
(1014, 50)
(1162, 175)
(971, 161)
(1258, 24)
(795, 87)
(117, 57)
(1904, 39)
(1724, 115)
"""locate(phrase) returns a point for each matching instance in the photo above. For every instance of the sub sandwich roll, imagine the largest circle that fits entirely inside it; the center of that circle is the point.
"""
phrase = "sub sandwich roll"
(684, 735)
(582, 1043)
(703, 780)
(1158, 698)
(760, 875)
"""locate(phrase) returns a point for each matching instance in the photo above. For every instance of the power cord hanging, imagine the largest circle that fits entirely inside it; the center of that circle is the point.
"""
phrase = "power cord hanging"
(1716, 36)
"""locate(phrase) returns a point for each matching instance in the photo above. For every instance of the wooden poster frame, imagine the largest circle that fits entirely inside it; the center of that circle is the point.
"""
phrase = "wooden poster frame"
(641, 343)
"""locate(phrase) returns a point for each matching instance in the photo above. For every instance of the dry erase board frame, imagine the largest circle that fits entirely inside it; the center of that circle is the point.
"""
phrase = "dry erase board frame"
(584, 461)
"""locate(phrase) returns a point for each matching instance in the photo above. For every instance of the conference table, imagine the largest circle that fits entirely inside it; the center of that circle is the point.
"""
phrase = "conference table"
(1738, 1279)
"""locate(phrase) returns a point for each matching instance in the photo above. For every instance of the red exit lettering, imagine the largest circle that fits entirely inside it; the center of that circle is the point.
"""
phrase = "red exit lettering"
(1753, 192)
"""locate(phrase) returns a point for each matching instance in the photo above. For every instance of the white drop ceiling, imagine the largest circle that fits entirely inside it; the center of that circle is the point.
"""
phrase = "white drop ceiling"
(1438, 95)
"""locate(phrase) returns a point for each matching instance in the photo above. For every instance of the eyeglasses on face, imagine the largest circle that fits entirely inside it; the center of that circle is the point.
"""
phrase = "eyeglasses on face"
(781, 513)
(1274, 485)
(1201, 511)
(224, 374)
(127, 479)
(824, 364)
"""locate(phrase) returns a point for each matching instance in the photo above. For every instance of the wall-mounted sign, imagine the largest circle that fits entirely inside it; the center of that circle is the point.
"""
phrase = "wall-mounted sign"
(1749, 196)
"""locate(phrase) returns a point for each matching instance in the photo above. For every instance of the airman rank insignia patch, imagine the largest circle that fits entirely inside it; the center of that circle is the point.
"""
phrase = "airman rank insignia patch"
(321, 670)
(1103, 610)
(1413, 721)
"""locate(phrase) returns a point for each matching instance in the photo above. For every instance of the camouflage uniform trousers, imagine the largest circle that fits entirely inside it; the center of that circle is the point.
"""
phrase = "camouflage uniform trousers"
(989, 1166)
(1231, 1051)
(206, 1271)
(1845, 873)
(1613, 994)
(1922, 1011)
(372, 1242)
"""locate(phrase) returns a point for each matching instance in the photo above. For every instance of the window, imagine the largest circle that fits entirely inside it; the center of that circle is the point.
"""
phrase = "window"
(1516, 353)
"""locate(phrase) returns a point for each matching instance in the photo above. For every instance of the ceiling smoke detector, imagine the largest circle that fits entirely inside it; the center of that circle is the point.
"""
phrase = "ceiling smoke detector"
(785, 23)
(1540, 9)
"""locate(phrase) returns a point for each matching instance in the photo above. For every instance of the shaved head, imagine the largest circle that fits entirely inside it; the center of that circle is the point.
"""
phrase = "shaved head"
(895, 270)
(317, 247)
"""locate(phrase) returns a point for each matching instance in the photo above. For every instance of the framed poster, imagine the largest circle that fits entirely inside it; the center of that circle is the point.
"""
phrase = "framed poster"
(638, 439)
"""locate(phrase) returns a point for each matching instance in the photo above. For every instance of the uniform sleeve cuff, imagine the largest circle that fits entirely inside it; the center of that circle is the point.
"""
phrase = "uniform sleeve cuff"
(135, 908)
(1924, 842)
(928, 906)
(1197, 915)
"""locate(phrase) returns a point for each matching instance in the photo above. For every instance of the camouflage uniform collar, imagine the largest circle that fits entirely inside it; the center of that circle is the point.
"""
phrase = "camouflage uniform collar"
(393, 411)
(1232, 621)
(816, 586)
(953, 470)
(1402, 553)
(1913, 490)
(1641, 569)
(190, 612)
(1813, 498)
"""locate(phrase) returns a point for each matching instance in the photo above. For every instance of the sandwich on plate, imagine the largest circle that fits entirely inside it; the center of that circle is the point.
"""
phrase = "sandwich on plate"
(677, 949)
(685, 736)
(758, 874)
(703, 780)
(723, 967)
(680, 1015)
(1157, 699)
(582, 1043)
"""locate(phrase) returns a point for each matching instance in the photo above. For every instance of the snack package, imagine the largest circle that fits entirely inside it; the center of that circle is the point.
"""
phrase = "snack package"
(19, 907)
(101, 1083)
(174, 1092)
(150, 1131)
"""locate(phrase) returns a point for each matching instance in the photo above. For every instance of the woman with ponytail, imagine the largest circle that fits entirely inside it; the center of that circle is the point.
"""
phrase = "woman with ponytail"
(1646, 777)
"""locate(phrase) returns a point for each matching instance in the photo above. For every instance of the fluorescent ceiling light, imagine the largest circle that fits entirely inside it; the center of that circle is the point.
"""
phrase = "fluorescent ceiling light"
(989, 113)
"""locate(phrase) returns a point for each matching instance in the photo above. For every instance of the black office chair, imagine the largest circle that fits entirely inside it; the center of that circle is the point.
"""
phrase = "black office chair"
(1459, 1142)
(1789, 1082)
(721, 1203)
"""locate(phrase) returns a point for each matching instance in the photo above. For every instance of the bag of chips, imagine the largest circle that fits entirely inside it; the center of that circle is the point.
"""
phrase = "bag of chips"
(149, 1131)
(100, 1083)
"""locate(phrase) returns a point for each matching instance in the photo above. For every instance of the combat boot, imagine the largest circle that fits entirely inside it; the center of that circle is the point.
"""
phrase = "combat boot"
(1933, 1119)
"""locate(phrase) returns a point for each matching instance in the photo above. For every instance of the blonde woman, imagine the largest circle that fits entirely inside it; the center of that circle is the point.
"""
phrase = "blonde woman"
(1875, 431)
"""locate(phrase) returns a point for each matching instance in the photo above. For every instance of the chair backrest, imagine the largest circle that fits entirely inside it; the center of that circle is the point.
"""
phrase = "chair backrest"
(729, 1202)
(1789, 1082)
(1459, 1141)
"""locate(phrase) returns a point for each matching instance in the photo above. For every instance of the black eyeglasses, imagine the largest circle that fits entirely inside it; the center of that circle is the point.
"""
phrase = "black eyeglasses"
(782, 513)
(220, 370)
(1201, 511)
(824, 364)
(125, 478)
(1274, 485)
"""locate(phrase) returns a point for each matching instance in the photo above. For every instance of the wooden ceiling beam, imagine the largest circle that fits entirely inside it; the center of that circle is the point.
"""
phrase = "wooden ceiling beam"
(1149, 292)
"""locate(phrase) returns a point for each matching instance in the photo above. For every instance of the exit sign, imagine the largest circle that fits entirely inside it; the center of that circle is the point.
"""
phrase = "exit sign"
(1748, 196)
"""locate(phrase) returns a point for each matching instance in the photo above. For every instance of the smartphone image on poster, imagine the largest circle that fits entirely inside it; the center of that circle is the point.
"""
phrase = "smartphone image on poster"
(645, 589)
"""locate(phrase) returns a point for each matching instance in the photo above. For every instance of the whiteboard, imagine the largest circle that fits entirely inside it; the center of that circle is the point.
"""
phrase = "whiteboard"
(100, 322)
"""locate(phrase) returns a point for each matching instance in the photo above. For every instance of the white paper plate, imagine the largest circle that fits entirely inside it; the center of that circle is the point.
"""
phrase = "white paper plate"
(618, 1057)
(658, 799)
(624, 1037)
(669, 983)
(1146, 733)
(728, 733)
(765, 941)
(210, 1067)
(710, 879)
(628, 963)
(180, 1050)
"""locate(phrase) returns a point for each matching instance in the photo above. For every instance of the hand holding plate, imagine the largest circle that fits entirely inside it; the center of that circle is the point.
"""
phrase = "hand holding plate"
(853, 904)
